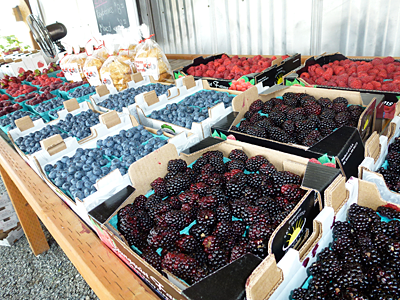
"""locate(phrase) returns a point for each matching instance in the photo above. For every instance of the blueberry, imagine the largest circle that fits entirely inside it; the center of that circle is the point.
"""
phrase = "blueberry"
(48, 168)
(78, 175)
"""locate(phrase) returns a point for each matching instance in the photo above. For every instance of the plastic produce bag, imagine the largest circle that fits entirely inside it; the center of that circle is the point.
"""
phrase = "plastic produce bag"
(76, 64)
(129, 38)
(64, 65)
(93, 64)
(150, 58)
(115, 73)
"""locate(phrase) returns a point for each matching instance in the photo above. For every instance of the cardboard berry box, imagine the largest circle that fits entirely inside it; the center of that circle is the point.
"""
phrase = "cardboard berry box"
(376, 151)
(148, 102)
(344, 145)
(270, 76)
(55, 148)
(295, 76)
(229, 281)
(275, 280)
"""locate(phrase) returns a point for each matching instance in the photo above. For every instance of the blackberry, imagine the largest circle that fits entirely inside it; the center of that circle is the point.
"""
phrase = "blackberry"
(326, 126)
(260, 230)
(207, 169)
(218, 164)
(229, 175)
(282, 108)
(276, 101)
(339, 107)
(269, 205)
(256, 131)
(267, 107)
(248, 114)
(224, 231)
(268, 170)
(305, 126)
(139, 203)
(395, 146)
(176, 165)
(355, 112)
(235, 165)
(314, 119)
(290, 99)
(212, 153)
(325, 103)
(199, 188)
(174, 202)
(208, 202)
(255, 162)
(211, 243)
(177, 184)
(388, 212)
(181, 265)
(265, 124)
(223, 213)
(342, 119)
(159, 187)
(327, 114)
(127, 210)
(153, 258)
(189, 197)
(256, 105)
(176, 219)
(296, 114)
(340, 100)
(277, 117)
(187, 244)
(238, 251)
(342, 243)
(312, 138)
(238, 207)
(152, 201)
(281, 178)
(278, 134)
(312, 108)
(200, 162)
(190, 174)
(199, 232)
(238, 154)
(342, 228)
(160, 209)
(218, 193)
(289, 127)
(306, 99)
(256, 118)
(218, 258)
(206, 217)
(254, 180)
(258, 247)
(169, 176)
(160, 237)
(253, 214)
(235, 186)
(292, 192)
(238, 228)
(298, 294)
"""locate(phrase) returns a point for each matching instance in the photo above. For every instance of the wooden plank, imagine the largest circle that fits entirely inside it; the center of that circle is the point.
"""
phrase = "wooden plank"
(107, 275)
(27, 217)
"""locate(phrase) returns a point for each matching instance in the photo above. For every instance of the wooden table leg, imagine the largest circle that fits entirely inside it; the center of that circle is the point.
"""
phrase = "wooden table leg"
(27, 217)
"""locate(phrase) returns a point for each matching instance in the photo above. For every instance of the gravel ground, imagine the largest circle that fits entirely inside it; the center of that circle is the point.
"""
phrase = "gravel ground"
(48, 276)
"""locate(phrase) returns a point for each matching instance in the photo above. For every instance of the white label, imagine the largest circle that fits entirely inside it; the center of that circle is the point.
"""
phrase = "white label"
(67, 73)
(92, 75)
(106, 79)
(75, 72)
(147, 66)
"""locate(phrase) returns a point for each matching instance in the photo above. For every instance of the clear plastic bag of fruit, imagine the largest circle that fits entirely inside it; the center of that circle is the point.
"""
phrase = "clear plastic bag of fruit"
(64, 64)
(115, 73)
(93, 64)
(76, 64)
(150, 58)
(128, 39)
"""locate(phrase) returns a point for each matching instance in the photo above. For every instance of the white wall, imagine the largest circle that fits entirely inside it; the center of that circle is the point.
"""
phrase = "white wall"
(79, 17)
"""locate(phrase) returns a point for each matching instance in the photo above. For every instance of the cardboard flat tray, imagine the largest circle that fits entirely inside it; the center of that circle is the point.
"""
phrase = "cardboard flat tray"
(268, 77)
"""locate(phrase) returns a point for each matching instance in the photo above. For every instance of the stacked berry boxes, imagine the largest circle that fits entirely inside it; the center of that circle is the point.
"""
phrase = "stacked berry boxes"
(356, 252)
(303, 121)
(193, 221)
(195, 110)
(378, 75)
(86, 174)
(76, 120)
(219, 70)
(381, 163)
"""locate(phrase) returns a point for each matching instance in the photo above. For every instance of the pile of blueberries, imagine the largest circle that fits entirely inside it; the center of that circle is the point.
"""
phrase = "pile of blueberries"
(82, 91)
(49, 105)
(207, 98)
(53, 113)
(79, 125)
(10, 118)
(31, 143)
(78, 173)
(180, 114)
(127, 97)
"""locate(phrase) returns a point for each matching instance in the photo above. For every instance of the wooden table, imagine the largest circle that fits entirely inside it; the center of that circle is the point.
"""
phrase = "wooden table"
(106, 274)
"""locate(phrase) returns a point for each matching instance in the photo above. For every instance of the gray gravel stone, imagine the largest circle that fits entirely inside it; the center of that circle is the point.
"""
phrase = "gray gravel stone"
(50, 275)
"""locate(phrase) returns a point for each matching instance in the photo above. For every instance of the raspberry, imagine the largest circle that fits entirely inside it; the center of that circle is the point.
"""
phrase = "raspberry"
(328, 74)
(388, 60)
(355, 84)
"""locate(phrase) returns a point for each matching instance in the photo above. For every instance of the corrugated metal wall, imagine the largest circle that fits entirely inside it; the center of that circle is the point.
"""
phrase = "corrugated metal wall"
(357, 27)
